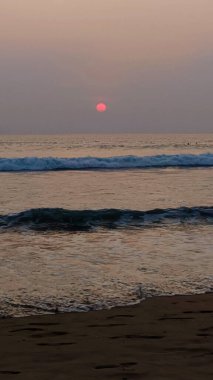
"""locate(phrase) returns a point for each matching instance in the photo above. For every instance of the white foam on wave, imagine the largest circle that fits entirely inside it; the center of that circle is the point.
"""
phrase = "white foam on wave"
(120, 162)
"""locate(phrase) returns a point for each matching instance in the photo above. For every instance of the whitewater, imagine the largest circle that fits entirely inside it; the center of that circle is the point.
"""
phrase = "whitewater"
(95, 221)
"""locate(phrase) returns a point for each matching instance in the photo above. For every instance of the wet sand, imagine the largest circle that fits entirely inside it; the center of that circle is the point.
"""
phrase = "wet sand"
(162, 338)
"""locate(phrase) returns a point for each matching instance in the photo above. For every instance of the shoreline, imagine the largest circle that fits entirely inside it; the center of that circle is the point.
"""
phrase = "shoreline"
(169, 337)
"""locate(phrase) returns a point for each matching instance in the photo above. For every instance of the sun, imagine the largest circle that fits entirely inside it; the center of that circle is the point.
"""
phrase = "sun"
(101, 107)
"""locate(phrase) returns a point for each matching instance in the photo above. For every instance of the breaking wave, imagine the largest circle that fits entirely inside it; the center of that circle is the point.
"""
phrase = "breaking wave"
(58, 219)
(89, 163)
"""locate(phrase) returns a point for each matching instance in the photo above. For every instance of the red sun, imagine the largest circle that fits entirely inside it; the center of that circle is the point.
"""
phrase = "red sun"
(101, 107)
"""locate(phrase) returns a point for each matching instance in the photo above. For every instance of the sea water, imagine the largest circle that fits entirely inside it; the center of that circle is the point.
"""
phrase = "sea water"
(94, 221)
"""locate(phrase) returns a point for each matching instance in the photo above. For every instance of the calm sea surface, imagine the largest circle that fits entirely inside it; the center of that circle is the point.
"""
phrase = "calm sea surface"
(149, 230)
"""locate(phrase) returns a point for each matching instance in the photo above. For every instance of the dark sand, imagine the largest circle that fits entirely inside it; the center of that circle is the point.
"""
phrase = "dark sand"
(162, 338)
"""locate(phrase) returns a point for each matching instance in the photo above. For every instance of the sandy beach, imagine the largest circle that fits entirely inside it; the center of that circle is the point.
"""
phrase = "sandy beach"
(162, 338)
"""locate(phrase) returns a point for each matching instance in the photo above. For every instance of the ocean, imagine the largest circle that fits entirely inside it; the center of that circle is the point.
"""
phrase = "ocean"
(95, 221)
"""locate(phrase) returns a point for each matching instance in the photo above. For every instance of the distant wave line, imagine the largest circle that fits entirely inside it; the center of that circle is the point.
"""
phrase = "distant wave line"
(101, 163)
(59, 219)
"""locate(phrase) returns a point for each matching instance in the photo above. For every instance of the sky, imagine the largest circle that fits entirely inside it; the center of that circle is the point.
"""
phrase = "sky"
(150, 61)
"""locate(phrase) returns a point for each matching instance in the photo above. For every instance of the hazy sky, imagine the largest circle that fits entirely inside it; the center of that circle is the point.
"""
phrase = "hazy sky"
(151, 61)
